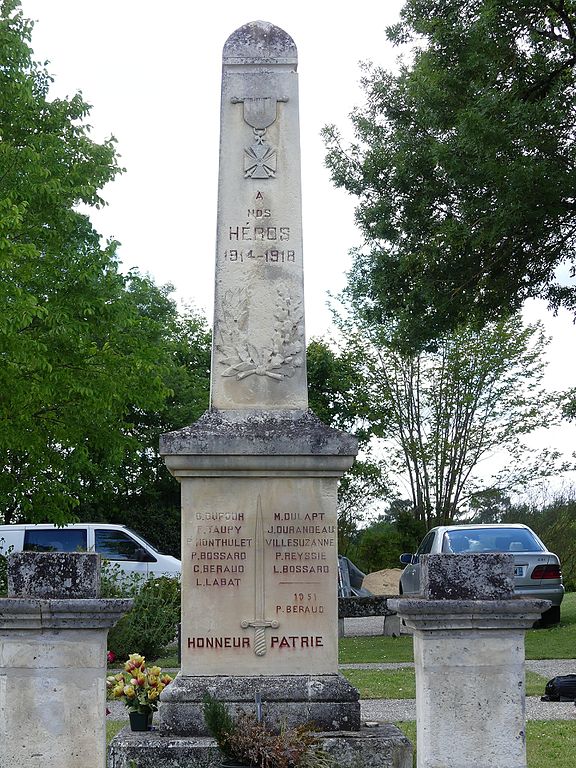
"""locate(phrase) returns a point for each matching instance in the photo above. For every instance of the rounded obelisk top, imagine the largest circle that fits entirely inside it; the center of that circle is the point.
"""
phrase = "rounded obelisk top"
(259, 42)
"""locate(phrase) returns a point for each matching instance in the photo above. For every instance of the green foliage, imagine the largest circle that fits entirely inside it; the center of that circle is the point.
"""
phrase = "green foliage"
(83, 347)
(219, 721)
(144, 496)
(152, 623)
(548, 742)
(96, 363)
(556, 642)
(488, 506)
(464, 167)
(248, 741)
(378, 649)
(555, 524)
(333, 383)
(380, 544)
(440, 412)
(116, 583)
(337, 397)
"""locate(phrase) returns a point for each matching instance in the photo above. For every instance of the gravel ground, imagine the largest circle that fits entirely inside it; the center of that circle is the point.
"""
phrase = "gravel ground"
(392, 710)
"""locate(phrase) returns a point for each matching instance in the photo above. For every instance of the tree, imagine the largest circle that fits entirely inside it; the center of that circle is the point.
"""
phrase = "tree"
(81, 345)
(337, 397)
(464, 166)
(443, 411)
(144, 495)
(554, 521)
(380, 544)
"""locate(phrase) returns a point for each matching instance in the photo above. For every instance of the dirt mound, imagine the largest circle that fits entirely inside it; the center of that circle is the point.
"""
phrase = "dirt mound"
(383, 582)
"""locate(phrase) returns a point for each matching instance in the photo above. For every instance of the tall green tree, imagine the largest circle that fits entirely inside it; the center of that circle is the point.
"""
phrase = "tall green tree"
(81, 345)
(464, 167)
(554, 520)
(337, 397)
(441, 412)
(143, 494)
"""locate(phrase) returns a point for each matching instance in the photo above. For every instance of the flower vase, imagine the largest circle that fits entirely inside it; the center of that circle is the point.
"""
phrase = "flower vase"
(140, 721)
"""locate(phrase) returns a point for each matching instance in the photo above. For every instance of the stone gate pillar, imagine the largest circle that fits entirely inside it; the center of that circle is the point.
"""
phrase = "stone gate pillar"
(469, 656)
(53, 631)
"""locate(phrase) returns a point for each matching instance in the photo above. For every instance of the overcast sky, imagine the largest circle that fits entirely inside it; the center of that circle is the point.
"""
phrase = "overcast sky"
(152, 73)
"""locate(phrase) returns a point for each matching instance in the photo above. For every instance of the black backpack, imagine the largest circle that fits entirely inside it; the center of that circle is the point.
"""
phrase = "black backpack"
(561, 688)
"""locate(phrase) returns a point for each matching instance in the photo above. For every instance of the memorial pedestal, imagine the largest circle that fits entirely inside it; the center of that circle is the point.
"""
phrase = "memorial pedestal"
(381, 747)
(259, 569)
(328, 701)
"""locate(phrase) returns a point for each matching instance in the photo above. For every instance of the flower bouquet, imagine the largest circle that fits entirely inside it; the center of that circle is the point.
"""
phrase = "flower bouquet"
(139, 686)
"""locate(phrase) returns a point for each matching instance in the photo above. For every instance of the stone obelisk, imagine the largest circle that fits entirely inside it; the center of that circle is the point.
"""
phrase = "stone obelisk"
(258, 471)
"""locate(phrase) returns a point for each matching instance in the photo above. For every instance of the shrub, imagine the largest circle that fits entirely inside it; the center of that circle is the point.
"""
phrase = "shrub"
(4, 568)
(152, 624)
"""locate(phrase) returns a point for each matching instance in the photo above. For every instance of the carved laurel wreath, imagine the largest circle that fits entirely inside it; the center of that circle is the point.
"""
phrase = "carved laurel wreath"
(280, 358)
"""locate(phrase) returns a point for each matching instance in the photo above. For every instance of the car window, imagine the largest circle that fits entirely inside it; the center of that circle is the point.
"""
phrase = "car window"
(118, 545)
(55, 540)
(426, 545)
(491, 540)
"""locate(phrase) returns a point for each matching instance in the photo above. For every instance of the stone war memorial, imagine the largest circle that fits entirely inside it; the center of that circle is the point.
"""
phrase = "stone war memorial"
(258, 471)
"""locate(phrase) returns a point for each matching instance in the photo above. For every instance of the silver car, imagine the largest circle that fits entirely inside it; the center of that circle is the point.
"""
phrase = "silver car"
(536, 570)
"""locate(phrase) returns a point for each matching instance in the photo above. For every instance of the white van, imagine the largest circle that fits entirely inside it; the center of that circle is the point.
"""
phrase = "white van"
(113, 542)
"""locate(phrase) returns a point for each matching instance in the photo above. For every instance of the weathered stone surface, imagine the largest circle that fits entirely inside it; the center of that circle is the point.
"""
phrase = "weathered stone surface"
(259, 471)
(52, 681)
(259, 575)
(257, 433)
(468, 614)
(20, 613)
(358, 607)
(470, 698)
(328, 701)
(54, 575)
(468, 576)
(381, 747)
(259, 353)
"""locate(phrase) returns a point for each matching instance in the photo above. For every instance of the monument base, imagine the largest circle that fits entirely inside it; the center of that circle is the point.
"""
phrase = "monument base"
(327, 701)
(380, 747)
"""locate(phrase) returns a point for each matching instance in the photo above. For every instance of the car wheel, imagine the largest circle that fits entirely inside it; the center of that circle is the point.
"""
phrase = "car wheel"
(551, 616)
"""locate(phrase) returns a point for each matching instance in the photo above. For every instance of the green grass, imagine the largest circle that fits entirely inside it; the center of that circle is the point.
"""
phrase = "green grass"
(548, 742)
(558, 642)
(383, 683)
(168, 661)
(377, 649)
(113, 727)
(401, 684)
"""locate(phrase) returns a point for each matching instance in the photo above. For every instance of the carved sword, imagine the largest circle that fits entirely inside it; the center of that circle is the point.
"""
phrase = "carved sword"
(259, 623)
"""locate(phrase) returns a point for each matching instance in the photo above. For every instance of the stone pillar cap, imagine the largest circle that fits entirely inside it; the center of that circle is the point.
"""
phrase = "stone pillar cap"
(54, 575)
(259, 42)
